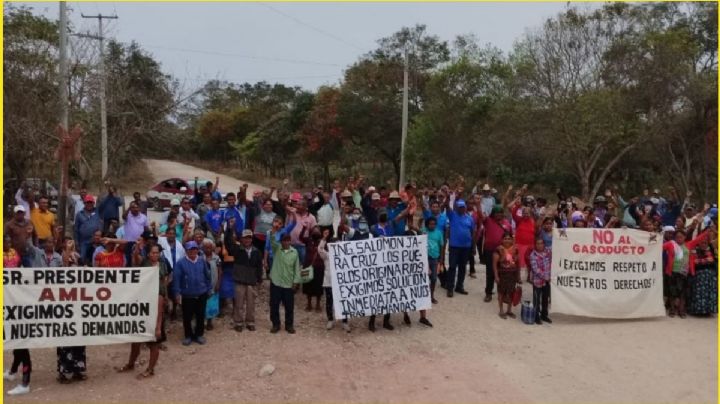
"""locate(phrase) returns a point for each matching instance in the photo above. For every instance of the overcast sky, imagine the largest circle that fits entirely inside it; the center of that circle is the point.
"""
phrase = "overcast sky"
(304, 44)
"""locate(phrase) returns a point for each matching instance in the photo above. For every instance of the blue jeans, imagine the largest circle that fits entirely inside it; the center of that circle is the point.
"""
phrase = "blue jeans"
(84, 246)
(459, 257)
(301, 253)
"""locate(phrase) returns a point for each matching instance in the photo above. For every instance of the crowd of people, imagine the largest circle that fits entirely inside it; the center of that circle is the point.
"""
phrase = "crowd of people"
(211, 262)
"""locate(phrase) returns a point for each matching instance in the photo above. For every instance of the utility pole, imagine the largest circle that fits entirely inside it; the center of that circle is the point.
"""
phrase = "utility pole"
(64, 107)
(101, 68)
(404, 123)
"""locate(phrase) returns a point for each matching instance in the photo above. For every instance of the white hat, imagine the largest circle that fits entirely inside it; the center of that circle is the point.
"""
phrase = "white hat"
(668, 229)
(371, 188)
(19, 208)
(183, 189)
(375, 196)
(175, 202)
(394, 195)
(486, 187)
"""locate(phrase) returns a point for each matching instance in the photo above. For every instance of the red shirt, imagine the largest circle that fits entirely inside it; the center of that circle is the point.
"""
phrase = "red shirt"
(494, 232)
(524, 226)
(115, 259)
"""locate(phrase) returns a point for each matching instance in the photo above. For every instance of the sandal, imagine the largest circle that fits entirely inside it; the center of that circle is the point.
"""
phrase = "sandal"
(63, 380)
(124, 368)
(144, 375)
(511, 315)
(502, 316)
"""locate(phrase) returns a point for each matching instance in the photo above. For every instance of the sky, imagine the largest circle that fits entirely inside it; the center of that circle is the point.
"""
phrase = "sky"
(303, 44)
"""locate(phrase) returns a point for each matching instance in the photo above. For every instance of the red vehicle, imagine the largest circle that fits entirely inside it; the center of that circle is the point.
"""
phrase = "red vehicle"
(160, 195)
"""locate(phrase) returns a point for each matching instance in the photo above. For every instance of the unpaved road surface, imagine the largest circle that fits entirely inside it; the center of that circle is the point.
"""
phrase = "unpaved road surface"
(470, 355)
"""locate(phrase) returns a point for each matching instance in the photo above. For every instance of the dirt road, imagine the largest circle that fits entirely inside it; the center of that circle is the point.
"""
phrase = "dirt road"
(470, 355)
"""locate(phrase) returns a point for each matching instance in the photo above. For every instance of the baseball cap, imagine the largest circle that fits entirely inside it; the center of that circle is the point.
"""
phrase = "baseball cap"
(375, 196)
(460, 203)
(175, 202)
(346, 194)
(190, 245)
(394, 195)
(371, 188)
(89, 198)
(18, 208)
(668, 229)
(295, 196)
(247, 233)
(654, 200)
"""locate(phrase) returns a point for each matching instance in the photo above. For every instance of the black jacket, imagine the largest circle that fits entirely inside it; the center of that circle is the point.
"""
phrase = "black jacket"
(246, 270)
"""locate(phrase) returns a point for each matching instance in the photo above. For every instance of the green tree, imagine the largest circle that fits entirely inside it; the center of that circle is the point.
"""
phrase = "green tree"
(370, 107)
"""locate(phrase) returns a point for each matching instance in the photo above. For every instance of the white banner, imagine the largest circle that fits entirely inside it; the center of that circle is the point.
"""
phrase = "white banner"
(379, 275)
(607, 273)
(50, 307)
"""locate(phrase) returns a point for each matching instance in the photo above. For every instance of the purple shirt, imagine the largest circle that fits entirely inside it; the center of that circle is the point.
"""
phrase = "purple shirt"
(135, 226)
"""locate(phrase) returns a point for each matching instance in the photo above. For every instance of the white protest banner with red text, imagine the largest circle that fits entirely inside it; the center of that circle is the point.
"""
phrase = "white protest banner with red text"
(607, 273)
(379, 276)
(50, 307)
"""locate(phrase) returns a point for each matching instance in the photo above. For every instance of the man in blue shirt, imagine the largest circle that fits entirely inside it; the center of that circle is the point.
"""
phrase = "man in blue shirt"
(462, 234)
(397, 212)
(214, 219)
(109, 207)
(87, 222)
(232, 211)
(191, 283)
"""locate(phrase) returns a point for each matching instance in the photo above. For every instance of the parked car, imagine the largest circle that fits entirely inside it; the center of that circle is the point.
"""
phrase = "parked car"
(38, 185)
(161, 194)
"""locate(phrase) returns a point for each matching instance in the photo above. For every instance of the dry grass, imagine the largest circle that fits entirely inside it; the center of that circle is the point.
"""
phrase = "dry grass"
(135, 178)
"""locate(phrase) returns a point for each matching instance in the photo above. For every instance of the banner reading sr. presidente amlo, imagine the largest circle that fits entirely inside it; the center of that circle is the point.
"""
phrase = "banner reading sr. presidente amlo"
(607, 273)
(49, 307)
(379, 275)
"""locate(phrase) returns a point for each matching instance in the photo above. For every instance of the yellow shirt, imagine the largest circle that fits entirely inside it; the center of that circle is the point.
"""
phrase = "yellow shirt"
(42, 222)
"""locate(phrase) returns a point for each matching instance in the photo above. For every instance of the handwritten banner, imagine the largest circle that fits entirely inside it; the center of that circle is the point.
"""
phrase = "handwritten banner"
(379, 276)
(607, 273)
(50, 307)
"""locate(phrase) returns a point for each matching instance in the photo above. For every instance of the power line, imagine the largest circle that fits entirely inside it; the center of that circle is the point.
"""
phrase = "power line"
(314, 28)
(248, 79)
(237, 55)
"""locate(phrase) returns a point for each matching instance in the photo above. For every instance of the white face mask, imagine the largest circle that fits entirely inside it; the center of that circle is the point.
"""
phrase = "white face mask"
(355, 217)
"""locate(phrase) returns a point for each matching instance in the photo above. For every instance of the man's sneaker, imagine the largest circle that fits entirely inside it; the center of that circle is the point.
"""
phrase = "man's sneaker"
(239, 328)
(329, 325)
(425, 321)
(201, 340)
(450, 293)
(8, 376)
(388, 326)
(19, 389)
(346, 327)
(251, 328)
(275, 329)
(538, 321)
(488, 298)
(187, 341)
(406, 319)
(290, 330)
(433, 300)
(546, 319)
(461, 291)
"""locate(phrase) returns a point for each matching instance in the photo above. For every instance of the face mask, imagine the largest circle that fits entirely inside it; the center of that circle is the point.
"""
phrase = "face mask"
(355, 217)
